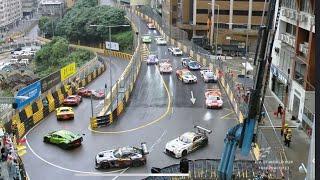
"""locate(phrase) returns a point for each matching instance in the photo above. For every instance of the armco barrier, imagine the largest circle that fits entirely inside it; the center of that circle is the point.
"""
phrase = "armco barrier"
(121, 90)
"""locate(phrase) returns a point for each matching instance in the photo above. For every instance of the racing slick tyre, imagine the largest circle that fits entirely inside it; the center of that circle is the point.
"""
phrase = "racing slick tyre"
(105, 165)
(64, 146)
(204, 143)
(137, 163)
(46, 140)
(184, 153)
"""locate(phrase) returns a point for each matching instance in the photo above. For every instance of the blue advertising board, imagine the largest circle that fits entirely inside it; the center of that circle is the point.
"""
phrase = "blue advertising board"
(28, 94)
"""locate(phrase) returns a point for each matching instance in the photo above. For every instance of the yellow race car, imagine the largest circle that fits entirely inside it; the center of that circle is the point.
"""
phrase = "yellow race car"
(65, 113)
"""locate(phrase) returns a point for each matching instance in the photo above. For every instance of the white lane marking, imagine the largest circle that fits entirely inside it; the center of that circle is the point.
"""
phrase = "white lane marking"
(57, 166)
(120, 173)
(158, 140)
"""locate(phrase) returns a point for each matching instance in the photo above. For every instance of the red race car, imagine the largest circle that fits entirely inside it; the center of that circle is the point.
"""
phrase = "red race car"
(73, 100)
(88, 92)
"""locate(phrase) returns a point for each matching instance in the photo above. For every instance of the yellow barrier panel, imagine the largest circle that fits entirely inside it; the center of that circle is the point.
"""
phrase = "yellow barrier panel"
(39, 104)
(16, 119)
(51, 102)
(21, 129)
(83, 83)
(111, 118)
(93, 122)
(94, 74)
(256, 151)
(60, 96)
(120, 108)
(38, 116)
(28, 110)
(89, 78)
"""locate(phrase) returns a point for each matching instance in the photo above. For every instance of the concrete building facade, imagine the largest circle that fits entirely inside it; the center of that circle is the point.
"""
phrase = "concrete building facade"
(29, 7)
(10, 14)
(293, 64)
(52, 7)
(231, 17)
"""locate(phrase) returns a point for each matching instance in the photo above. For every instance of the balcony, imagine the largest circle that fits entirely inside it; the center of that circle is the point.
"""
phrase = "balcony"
(288, 39)
(299, 78)
(289, 15)
(306, 21)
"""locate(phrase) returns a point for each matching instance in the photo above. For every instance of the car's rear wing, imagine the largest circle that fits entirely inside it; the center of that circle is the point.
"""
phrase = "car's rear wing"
(203, 130)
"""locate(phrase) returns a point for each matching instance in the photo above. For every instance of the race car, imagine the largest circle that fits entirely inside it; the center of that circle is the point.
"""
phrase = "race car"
(186, 76)
(160, 41)
(72, 100)
(64, 139)
(151, 26)
(208, 76)
(190, 64)
(152, 59)
(88, 92)
(146, 38)
(213, 98)
(122, 157)
(175, 51)
(165, 67)
(187, 143)
(64, 113)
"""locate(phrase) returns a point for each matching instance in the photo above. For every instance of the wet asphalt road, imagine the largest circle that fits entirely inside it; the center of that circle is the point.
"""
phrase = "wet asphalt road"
(151, 116)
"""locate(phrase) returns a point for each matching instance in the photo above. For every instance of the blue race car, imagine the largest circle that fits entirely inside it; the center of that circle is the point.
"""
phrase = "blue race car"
(193, 65)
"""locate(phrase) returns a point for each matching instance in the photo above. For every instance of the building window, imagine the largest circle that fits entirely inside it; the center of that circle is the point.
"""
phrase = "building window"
(221, 12)
(259, 13)
(291, 29)
(289, 4)
(239, 26)
(202, 11)
(305, 6)
(278, 88)
(241, 13)
(299, 72)
(285, 60)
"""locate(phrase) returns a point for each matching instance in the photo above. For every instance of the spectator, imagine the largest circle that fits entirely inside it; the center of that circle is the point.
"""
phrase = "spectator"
(288, 137)
(280, 108)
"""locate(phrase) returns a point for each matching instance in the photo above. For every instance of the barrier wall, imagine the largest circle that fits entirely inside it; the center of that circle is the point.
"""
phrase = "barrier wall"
(119, 98)
(48, 102)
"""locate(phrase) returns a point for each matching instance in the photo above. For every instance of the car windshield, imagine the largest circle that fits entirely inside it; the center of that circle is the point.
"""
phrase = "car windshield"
(185, 139)
(176, 50)
(64, 110)
(193, 63)
(188, 73)
(212, 98)
(160, 39)
(209, 74)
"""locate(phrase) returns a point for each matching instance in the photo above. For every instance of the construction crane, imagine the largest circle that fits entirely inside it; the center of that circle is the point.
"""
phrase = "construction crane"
(242, 134)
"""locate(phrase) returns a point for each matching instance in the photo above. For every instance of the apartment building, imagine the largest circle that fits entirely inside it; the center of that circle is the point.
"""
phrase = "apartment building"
(293, 64)
(29, 7)
(233, 20)
(52, 7)
(10, 14)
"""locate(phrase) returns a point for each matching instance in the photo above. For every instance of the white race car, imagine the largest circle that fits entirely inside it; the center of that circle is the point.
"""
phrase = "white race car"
(213, 98)
(175, 51)
(186, 76)
(187, 142)
(208, 76)
(165, 67)
(160, 41)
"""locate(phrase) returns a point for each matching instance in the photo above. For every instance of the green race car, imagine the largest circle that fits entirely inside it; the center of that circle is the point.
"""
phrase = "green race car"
(146, 39)
(63, 138)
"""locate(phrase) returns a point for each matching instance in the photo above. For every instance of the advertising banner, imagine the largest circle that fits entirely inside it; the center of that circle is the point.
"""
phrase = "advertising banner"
(28, 94)
(114, 45)
(50, 81)
(68, 71)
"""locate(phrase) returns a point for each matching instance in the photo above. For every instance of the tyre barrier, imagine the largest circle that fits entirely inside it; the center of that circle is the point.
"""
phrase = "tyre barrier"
(33, 113)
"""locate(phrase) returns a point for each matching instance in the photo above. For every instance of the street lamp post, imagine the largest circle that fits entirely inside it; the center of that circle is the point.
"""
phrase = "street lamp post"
(110, 71)
(212, 25)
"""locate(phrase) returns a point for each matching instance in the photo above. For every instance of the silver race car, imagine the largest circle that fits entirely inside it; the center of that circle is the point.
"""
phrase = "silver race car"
(187, 142)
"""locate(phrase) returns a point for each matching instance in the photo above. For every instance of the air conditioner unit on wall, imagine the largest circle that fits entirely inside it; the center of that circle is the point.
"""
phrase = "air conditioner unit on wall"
(301, 46)
(305, 50)
(281, 37)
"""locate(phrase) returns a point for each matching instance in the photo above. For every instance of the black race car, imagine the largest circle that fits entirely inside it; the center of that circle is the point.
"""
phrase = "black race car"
(122, 157)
